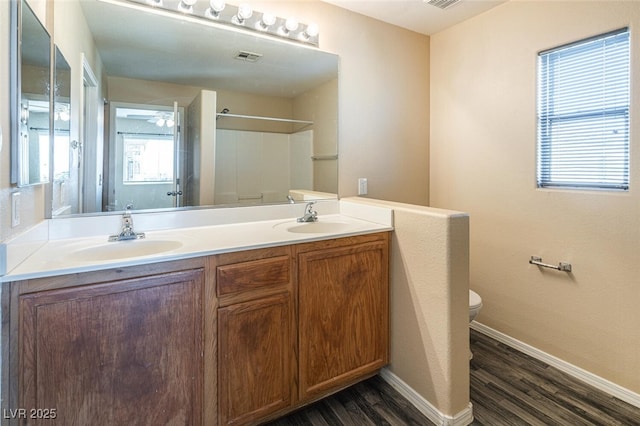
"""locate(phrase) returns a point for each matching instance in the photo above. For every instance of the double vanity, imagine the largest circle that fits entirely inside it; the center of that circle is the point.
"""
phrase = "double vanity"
(233, 323)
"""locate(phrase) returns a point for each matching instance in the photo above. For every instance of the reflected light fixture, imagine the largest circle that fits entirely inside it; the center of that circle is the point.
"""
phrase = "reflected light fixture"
(62, 113)
(214, 9)
(162, 119)
(242, 17)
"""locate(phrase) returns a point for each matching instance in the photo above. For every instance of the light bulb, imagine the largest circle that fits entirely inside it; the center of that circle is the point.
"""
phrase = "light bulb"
(244, 13)
(267, 20)
(312, 30)
(160, 122)
(155, 3)
(186, 6)
(170, 123)
(291, 24)
(214, 9)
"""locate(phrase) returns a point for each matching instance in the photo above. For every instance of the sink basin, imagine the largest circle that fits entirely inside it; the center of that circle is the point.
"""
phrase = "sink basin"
(125, 249)
(319, 227)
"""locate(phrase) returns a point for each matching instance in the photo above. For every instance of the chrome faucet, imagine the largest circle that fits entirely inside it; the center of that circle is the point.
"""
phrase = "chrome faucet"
(127, 232)
(310, 215)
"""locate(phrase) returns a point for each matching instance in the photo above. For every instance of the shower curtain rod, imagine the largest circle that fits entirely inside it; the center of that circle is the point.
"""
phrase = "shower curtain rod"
(257, 117)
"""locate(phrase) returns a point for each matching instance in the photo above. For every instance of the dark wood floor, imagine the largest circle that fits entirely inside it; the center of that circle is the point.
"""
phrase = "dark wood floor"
(372, 403)
(511, 388)
(507, 388)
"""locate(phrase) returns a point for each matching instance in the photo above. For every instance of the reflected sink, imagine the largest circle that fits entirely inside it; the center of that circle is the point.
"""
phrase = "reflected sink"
(319, 227)
(125, 249)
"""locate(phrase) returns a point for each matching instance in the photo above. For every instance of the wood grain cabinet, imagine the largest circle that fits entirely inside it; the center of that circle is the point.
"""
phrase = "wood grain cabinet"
(256, 334)
(343, 307)
(118, 352)
(231, 339)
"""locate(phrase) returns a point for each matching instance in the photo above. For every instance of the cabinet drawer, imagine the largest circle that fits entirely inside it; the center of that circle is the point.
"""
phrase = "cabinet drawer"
(252, 275)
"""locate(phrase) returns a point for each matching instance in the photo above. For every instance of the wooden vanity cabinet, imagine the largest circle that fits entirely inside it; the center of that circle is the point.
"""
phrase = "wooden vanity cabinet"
(235, 338)
(256, 334)
(107, 349)
(343, 305)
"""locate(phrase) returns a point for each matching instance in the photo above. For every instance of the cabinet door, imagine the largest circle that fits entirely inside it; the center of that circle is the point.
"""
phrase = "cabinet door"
(126, 352)
(343, 315)
(255, 358)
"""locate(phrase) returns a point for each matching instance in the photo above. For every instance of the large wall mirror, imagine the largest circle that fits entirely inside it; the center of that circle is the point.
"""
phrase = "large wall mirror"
(194, 114)
(30, 98)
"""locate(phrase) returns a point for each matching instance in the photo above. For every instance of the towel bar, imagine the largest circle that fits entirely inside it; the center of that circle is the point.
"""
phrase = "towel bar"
(562, 266)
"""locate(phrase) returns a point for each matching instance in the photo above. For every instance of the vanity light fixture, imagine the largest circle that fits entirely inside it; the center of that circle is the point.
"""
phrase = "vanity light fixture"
(242, 17)
(244, 12)
(215, 8)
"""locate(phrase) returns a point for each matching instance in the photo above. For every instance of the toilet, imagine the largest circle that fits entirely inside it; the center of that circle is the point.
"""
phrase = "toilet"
(475, 304)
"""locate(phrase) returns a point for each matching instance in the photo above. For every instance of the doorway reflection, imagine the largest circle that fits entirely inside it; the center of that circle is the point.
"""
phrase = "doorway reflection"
(144, 157)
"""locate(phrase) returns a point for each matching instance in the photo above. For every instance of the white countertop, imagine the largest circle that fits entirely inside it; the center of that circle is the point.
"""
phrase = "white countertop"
(68, 255)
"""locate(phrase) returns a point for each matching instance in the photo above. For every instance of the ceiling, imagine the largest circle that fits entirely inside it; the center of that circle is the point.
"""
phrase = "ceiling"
(417, 15)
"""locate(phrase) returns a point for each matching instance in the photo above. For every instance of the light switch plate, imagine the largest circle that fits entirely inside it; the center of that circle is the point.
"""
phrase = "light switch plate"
(15, 209)
(362, 186)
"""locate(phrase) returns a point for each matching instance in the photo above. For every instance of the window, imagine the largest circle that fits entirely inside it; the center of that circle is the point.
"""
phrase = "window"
(583, 114)
(148, 159)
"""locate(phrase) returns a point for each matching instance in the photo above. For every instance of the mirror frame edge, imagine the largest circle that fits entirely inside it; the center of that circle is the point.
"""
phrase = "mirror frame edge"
(14, 87)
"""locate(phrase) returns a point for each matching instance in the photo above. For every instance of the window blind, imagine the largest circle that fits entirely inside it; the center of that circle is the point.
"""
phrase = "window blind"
(583, 114)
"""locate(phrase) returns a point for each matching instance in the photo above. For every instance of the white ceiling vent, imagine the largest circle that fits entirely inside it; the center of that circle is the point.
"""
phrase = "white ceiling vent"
(248, 56)
(442, 4)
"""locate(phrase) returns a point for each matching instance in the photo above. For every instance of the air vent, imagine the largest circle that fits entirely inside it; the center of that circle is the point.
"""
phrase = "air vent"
(248, 56)
(442, 4)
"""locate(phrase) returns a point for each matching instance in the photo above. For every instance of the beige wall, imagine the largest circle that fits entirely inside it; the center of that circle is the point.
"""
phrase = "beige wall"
(483, 145)
(429, 276)
(319, 105)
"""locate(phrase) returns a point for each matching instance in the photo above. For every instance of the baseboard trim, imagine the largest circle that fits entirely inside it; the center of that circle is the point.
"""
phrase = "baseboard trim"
(463, 418)
(596, 381)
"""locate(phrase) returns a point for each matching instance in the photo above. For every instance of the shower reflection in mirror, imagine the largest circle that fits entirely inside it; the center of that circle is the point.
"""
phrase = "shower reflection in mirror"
(155, 162)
